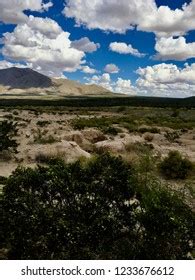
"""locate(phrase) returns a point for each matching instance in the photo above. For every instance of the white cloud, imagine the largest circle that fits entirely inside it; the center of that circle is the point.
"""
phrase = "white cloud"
(125, 87)
(120, 16)
(85, 45)
(158, 80)
(112, 15)
(103, 81)
(174, 49)
(45, 46)
(123, 48)
(88, 70)
(166, 22)
(12, 11)
(4, 64)
(45, 26)
(119, 86)
(111, 68)
(167, 79)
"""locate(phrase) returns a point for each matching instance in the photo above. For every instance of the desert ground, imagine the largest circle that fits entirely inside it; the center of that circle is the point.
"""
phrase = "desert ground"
(143, 137)
(73, 133)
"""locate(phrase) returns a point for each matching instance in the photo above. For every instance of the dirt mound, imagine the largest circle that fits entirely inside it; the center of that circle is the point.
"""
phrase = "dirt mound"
(69, 151)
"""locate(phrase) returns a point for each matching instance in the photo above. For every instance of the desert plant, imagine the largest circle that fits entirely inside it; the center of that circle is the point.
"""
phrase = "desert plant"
(139, 148)
(96, 210)
(8, 131)
(75, 212)
(43, 123)
(39, 138)
(172, 136)
(148, 137)
(175, 114)
(111, 130)
(149, 129)
(174, 166)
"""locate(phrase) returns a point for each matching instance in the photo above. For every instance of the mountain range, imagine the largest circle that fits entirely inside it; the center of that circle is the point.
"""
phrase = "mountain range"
(25, 81)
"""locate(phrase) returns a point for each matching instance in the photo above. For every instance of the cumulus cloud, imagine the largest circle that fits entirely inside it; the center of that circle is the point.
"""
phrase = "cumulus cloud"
(112, 15)
(174, 49)
(45, 26)
(101, 80)
(111, 68)
(119, 86)
(12, 11)
(167, 79)
(45, 46)
(123, 48)
(4, 64)
(85, 45)
(88, 70)
(125, 87)
(166, 22)
(160, 80)
(123, 15)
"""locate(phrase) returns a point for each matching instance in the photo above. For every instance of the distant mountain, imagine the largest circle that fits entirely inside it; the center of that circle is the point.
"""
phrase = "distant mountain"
(23, 78)
(27, 82)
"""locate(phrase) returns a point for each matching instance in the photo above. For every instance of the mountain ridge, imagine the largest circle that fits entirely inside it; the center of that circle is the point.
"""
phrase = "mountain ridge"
(21, 81)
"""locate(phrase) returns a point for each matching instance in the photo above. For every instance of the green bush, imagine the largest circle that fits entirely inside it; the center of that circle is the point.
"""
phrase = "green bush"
(149, 129)
(111, 130)
(39, 138)
(167, 224)
(174, 166)
(3, 180)
(43, 123)
(172, 136)
(67, 211)
(8, 131)
(93, 210)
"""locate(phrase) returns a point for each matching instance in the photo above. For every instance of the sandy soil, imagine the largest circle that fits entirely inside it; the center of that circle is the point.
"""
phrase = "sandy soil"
(56, 137)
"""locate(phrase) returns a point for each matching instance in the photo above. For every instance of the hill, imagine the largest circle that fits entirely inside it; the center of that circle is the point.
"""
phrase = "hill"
(27, 82)
(23, 78)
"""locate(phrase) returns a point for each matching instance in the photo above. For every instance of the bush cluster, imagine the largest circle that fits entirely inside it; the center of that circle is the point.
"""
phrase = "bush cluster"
(174, 166)
(93, 210)
(8, 131)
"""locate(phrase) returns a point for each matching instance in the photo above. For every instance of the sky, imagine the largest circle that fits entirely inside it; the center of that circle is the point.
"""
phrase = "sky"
(136, 47)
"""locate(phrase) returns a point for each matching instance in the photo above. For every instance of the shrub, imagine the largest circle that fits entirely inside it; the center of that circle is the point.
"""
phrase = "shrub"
(42, 158)
(42, 139)
(111, 130)
(172, 136)
(121, 109)
(149, 129)
(99, 122)
(174, 166)
(67, 211)
(140, 148)
(7, 132)
(149, 137)
(43, 123)
(132, 127)
(15, 113)
(94, 210)
(175, 114)
(3, 180)
(167, 224)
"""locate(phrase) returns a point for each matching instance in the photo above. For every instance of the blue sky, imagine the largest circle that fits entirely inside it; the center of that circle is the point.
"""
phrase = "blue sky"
(157, 55)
